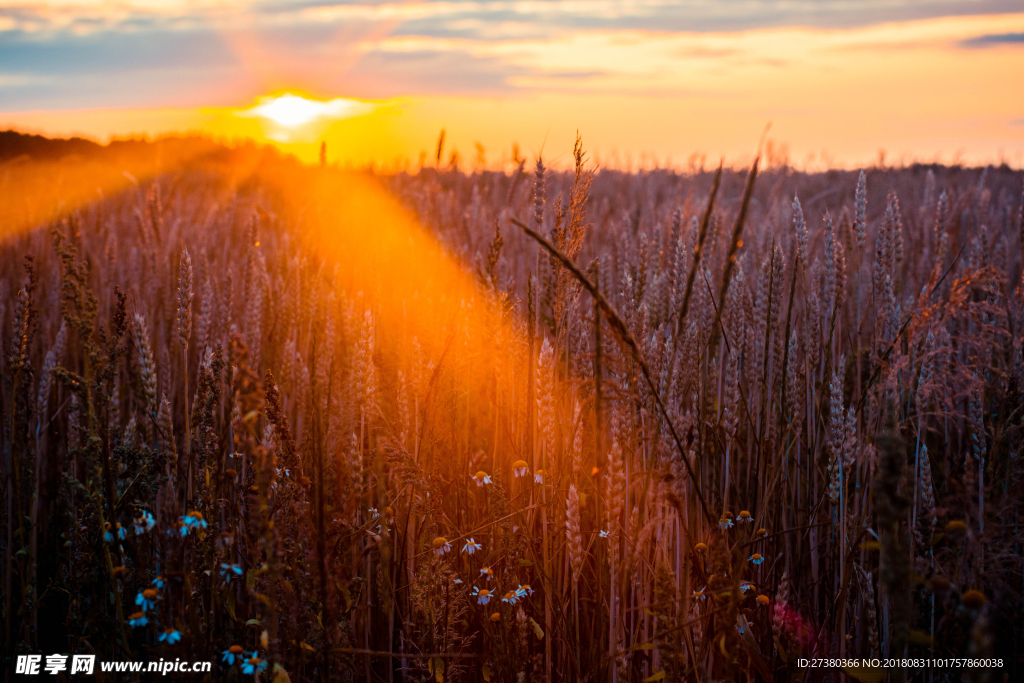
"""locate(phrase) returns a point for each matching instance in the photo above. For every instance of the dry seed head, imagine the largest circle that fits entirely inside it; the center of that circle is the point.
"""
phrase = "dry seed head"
(837, 424)
(941, 234)
(130, 431)
(896, 228)
(871, 611)
(147, 364)
(53, 357)
(255, 308)
(545, 397)
(616, 485)
(364, 370)
(185, 298)
(800, 228)
(835, 479)
(925, 480)
(830, 263)
(850, 442)
(205, 330)
(794, 386)
(860, 223)
(572, 532)
(22, 322)
(839, 264)
(538, 193)
(812, 344)
(979, 445)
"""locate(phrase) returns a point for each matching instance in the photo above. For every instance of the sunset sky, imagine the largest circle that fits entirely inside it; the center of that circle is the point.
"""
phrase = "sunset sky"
(644, 81)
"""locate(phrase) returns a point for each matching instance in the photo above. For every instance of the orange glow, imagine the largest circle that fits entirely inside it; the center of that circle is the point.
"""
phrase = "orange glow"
(415, 285)
(37, 191)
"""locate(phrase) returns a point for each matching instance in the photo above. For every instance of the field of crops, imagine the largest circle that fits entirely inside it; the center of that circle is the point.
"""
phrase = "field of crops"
(540, 425)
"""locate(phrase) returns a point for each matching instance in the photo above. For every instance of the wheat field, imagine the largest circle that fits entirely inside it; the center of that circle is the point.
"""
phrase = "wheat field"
(316, 425)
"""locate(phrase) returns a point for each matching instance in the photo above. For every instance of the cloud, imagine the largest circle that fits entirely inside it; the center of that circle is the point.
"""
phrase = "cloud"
(385, 72)
(114, 68)
(443, 17)
(994, 39)
(145, 53)
(13, 80)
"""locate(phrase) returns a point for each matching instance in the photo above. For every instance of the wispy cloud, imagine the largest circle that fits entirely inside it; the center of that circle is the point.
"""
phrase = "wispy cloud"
(46, 16)
(75, 53)
(994, 39)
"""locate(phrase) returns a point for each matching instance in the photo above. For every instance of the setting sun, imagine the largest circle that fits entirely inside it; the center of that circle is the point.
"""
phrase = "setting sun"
(292, 118)
(292, 110)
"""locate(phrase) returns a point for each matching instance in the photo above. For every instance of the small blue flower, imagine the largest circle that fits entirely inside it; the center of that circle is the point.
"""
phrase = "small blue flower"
(523, 591)
(744, 587)
(482, 595)
(602, 533)
(144, 523)
(373, 512)
(145, 601)
(253, 664)
(471, 546)
(232, 653)
(512, 597)
(138, 619)
(756, 558)
(725, 523)
(193, 520)
(170, 636)
(457, 581)
(228, 569)
(158, 582)
(699, 595)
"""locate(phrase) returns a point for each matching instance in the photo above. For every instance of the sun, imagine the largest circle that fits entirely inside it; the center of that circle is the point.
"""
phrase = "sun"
(288, 115)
